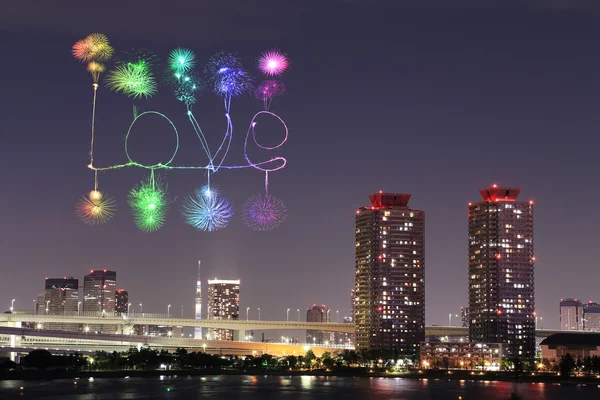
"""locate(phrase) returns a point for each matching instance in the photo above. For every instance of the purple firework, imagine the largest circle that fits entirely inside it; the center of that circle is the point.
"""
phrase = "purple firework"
(263, 212)
(269, 89)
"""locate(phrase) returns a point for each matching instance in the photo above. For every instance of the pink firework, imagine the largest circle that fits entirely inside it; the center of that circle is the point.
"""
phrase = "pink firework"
(273, 62)
(268, 89)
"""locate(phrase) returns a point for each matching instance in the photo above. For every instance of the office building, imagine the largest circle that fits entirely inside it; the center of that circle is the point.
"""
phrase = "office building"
(591, 317)
(99, 298)
(99, 288)
(389, 286)
(317, 314)
(121, 301)
(464, 317)
(223, 303)
(501, 282)
(61, 298)
(571, 315)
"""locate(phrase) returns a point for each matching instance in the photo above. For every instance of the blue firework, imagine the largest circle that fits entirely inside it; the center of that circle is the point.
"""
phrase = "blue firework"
(207, 210)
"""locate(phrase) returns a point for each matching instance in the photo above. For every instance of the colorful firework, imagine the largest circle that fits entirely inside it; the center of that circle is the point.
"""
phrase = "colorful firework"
(207, 210)
(273, 62)
(233, 82)
(220, 63)
(148, 202)
(95, 208)
(181, 60)
(263, 212)
(138, 56)
(95, 68)
(132, 79)
(269, 89)
(94, 47)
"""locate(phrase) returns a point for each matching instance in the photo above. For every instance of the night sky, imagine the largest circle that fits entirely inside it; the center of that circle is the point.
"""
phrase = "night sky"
(431, 100)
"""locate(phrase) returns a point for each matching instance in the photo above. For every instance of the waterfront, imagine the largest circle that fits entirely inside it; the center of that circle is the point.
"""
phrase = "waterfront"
(291, 387)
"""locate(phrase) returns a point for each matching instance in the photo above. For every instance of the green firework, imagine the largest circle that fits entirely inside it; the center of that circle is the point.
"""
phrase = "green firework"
(181, 60)
(132, 79)
(148, 202)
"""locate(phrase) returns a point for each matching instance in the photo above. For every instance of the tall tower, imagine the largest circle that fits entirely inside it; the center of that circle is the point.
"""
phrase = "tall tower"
(389, 286)
(501, 259)
(198, 304)
(316, 314)
(571, 315)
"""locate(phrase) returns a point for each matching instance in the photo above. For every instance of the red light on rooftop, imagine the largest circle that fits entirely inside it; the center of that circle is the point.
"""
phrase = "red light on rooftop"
(381, 191)
(470, 204)
(104, 270)
(494, 185)
(533, 258)
(358, 211)
(534, 313)
(530, 202)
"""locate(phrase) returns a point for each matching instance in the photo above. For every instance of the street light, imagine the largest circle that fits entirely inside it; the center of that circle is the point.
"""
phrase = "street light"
(449, 319)
(12, 305)
(78, 304)
(34, 306)
(287, 315)
(47, 302)
(337, 313)
(247, 310)
(182, 311)
(169, 311)
(141, 308)
(259, 313)
(298, 315)
(128, 305)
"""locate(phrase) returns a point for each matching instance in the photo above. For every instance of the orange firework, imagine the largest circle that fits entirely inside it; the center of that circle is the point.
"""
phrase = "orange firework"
(95, 208)
(94, 47)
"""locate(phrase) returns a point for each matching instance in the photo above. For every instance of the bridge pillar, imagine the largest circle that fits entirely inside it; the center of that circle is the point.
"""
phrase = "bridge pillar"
(13, 341)
(238, 335)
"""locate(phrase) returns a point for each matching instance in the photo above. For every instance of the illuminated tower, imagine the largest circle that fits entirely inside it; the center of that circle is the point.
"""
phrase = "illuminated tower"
(223, 303)
(121, 301)
(501, 285)
(61, 298)
(389, 286)
(99, 292)
(571, 313)
(198, 304)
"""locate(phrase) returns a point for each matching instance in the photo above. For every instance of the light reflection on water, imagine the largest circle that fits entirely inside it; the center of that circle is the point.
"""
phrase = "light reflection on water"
(288, 387)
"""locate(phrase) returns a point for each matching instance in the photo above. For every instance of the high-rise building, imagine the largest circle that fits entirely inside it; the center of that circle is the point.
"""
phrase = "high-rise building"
(389, 286)
(99, 288)
(198, 304)
(316, 314)
(571, 315)
(61, 298)
(464, 316)
(223, 303)
(501, 282)
(121, 301)
(591, 317)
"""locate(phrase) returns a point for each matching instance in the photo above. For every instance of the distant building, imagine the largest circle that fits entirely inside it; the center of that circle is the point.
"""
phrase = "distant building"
(61, 298)
(591, 317)
(121, 301)
(342, 338)
(389, 283)
(571, 315)
(461, 355)
(317, 314)
(223, 303)
(578, 345)
(99, 298)
(501, 267)
(464, 316)
(99, 288)
(40, 305)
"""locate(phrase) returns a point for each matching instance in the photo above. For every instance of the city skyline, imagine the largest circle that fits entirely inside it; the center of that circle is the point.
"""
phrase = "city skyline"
(452, 97)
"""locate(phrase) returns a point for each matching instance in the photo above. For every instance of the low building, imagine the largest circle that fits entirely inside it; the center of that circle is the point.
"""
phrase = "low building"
(457, 355)
(591, 317)
(578, 345)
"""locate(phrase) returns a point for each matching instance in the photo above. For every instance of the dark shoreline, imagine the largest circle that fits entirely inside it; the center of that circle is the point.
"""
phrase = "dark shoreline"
(350, 373)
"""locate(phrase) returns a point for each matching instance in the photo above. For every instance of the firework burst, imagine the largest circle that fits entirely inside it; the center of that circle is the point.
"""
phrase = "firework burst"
(263, 212)
(95, 208)
(207, 210)
(94, 47)
(132, 79)
(233, 83)
(182, 60)
(273, 62)
(148, 202)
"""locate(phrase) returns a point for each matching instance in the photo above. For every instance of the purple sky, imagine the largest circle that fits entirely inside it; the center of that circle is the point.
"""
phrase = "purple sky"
(437, 102)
